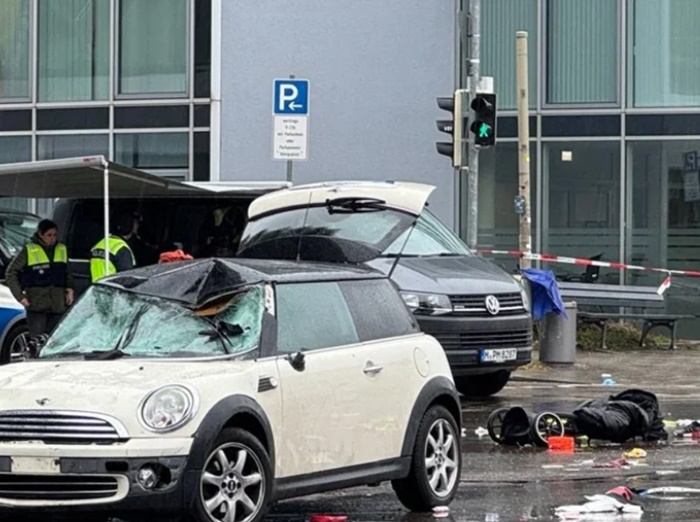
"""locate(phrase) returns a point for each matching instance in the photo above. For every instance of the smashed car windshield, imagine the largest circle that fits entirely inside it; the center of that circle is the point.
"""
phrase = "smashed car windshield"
(109, 319)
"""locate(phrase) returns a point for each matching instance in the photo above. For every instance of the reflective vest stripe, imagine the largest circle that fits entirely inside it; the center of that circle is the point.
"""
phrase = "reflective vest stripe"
(97, 262)
(36, 255)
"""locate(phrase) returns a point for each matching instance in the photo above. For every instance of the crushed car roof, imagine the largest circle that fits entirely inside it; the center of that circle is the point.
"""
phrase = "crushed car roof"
(195, 283)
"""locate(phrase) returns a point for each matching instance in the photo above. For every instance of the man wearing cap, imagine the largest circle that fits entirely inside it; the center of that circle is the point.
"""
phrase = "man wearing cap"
(121, 257)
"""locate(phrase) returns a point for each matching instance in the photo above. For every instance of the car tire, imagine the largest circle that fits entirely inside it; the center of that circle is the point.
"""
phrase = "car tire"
(13, 336)
(417, 491)
(482, 385)
(237, 474)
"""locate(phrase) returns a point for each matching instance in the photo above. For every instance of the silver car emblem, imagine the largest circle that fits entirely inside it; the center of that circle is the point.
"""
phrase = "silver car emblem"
(43, 402)
(492, 305)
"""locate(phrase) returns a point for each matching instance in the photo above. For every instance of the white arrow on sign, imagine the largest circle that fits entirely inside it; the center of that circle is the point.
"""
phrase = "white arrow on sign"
(294, 106)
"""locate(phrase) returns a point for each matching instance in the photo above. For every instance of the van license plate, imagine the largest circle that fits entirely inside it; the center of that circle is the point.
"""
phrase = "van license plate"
(498, 356)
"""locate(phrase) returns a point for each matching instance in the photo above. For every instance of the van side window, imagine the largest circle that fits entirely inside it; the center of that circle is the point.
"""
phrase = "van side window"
(313, 316)
(378, 310)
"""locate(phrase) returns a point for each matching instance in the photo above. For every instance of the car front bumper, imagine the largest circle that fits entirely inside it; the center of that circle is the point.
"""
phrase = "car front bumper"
(44, 478)
(464, 337)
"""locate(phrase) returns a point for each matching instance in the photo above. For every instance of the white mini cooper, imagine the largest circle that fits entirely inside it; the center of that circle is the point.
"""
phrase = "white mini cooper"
(216, 387)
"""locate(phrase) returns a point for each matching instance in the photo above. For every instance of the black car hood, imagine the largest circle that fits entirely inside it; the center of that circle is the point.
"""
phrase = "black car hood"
(448, 275)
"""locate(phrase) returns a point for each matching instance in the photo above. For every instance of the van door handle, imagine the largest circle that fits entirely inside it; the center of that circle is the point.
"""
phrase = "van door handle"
(372, 369)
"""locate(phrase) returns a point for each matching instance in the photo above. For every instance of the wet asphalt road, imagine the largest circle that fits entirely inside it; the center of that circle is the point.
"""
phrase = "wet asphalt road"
(506, 484)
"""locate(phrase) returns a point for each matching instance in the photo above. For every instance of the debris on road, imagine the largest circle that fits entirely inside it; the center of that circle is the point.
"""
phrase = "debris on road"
(636, 453)
(630, 415)
(617, 501)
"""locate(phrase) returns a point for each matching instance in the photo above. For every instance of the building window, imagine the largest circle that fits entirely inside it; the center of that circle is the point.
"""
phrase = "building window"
(15, 149)
(72, 146)
(161, 153)
(582, 51)
(202, 48)
(664, 63)
(582, 187)
(15, 38)
(153, 47)
(499, 225)
(664, 212)
(73, 50)
(500, 20)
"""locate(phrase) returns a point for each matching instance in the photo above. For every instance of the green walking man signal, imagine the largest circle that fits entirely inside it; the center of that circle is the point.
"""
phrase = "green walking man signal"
(484, 124)
(484, 130)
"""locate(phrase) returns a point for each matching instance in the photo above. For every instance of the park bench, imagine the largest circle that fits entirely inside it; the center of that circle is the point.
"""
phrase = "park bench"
(591, 299)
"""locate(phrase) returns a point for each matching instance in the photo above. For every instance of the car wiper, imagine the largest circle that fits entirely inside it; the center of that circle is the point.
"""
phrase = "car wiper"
(353, 204)
(106, 355)
(448, 254)
(127, 336)
(222, 330)
(392, 255)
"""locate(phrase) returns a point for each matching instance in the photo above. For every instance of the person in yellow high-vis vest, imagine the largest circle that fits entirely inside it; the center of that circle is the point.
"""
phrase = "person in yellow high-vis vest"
(40, 279)
(121, 257)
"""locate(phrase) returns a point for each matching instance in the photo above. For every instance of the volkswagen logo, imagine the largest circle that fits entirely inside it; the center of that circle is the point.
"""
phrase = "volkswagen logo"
(492, 305)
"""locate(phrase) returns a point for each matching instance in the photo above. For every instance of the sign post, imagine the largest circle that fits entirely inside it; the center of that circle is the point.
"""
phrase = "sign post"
(290, 109)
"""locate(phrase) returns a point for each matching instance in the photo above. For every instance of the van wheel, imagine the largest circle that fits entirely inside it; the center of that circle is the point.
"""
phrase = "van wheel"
(15, 344)
(436, 463)
(236, 481)
(482, 385)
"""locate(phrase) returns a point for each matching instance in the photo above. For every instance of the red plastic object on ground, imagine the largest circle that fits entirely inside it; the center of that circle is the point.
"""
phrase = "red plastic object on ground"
(561, 444)
(174, 256)
(328, 518)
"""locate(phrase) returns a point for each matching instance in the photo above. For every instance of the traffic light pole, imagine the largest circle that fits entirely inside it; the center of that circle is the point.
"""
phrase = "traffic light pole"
(473, 152)
(525, 238)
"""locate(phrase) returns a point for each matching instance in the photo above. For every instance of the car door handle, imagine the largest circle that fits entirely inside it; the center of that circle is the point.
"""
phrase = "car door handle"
(372, 368)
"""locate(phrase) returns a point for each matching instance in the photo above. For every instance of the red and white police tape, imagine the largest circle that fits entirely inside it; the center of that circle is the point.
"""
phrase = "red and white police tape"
(590, 262)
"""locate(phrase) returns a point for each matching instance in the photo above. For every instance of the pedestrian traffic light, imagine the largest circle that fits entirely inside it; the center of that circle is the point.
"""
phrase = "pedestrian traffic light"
(454, 127)
(484, 120)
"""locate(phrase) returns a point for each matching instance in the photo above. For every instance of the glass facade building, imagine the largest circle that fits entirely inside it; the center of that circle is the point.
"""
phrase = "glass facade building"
(128, 79)
(615, 136)
(614, 107)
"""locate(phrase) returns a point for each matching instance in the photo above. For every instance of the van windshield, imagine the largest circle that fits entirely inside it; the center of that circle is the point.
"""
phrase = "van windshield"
(108, 320)
(430, 237)
(362, 236)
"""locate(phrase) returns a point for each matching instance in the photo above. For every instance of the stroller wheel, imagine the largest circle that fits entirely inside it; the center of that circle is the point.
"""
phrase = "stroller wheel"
(494, 424)
(545, 425)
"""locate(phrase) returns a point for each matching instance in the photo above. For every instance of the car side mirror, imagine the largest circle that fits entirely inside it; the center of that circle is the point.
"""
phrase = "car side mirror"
(297, 360)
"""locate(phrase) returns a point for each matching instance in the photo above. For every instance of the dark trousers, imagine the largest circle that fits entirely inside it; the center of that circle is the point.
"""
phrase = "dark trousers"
(42, 322)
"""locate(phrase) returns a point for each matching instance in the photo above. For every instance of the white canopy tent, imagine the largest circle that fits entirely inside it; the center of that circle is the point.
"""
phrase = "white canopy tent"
(96, 177)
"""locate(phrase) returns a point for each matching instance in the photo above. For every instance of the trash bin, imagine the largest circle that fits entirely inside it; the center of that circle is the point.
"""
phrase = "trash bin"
(558, 337)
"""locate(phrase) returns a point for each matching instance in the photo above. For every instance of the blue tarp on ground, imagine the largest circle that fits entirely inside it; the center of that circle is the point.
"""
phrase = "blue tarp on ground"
(545, 293)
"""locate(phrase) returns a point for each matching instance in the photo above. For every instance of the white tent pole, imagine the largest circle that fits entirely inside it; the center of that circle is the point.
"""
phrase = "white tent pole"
(105, 165)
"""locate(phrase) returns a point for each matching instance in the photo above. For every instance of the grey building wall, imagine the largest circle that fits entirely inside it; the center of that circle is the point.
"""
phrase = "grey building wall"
(375, 67)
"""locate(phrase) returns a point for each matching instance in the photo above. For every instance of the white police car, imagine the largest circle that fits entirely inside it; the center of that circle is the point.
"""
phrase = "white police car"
(13, 327)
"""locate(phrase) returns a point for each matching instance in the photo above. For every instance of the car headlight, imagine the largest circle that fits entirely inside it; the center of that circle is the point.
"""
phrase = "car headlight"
(427, 304)
(522, 282)
(526, 299)
(168, 408)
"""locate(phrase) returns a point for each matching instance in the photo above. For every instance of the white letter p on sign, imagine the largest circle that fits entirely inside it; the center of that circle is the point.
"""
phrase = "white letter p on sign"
(288, 93)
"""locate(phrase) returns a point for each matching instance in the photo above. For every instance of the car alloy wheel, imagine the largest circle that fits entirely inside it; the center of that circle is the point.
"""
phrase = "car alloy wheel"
(441, 458)
(19, 347)
(232, 484)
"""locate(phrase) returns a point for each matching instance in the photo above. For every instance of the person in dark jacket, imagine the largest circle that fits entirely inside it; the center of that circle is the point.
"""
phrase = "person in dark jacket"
(40, 279)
